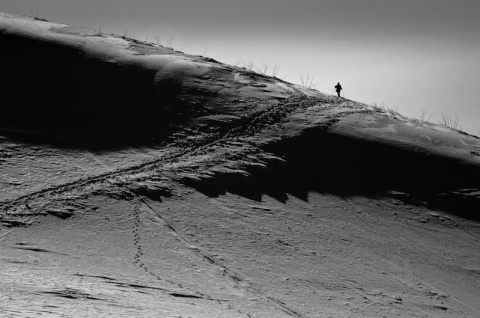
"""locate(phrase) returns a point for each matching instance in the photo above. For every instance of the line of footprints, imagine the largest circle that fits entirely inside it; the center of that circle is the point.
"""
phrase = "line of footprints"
(136, 241)
(139, 252)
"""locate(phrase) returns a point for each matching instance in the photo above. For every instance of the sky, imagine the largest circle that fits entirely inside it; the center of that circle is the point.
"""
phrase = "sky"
(410, 55)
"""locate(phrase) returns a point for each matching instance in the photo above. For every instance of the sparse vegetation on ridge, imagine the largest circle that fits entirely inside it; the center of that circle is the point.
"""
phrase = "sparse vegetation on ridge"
(425, 117)
(263, 69)
(63, 19)
(157, 40)
(382, 107)
(307, 81)
(175, 184)
(33, 11)
(246, 65)
(449, 121)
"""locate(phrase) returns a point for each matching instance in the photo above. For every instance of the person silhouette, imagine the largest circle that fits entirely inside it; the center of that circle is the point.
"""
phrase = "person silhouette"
(338, 89)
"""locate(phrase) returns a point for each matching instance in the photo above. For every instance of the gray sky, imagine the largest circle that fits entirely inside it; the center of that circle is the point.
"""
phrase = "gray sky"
(412, 54)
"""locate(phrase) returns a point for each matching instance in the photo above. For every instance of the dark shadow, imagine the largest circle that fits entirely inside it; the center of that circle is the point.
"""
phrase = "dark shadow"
(55, 94)
(323, 162)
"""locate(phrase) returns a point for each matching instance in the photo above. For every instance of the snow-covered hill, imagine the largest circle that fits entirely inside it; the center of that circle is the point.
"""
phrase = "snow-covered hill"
(142, 181)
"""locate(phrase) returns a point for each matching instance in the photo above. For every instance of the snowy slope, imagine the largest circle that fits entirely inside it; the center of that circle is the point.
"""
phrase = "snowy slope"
(142, 181)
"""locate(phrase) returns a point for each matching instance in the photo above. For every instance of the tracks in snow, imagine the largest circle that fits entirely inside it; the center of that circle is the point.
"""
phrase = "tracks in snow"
(237, 279)
(138, 261)
(180, 151)
(186, 146)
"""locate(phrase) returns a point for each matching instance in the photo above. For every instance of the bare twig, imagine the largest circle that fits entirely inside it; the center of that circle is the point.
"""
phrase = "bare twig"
(307, 81)
(249, 66)
(63, 19)
(169, 42)
(275, 71)
(157, 40)
(449, 121)
(382, 107)
(263, 69)
(424, 116)
(33, 11)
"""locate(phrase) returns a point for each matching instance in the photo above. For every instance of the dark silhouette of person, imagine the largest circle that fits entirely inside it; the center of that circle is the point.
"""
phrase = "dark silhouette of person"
(338, 89)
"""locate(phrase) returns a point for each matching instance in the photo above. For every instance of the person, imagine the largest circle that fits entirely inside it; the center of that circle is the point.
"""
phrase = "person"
(338, 89)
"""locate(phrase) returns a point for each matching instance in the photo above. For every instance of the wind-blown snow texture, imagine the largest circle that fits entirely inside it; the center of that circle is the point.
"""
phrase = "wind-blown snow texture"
(142, 181)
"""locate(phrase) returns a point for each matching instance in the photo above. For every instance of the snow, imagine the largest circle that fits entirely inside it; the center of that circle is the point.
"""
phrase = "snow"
(257, 198)
(328, 256)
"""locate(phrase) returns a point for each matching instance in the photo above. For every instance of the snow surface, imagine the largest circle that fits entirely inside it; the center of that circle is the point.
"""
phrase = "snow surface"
(257, 198)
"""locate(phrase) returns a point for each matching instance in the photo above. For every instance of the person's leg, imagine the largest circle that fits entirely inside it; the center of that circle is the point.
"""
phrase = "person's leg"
(338, 93)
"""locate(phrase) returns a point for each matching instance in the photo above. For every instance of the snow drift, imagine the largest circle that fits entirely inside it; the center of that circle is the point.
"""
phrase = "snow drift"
(90, 122)
(66, 80)
(79, 88)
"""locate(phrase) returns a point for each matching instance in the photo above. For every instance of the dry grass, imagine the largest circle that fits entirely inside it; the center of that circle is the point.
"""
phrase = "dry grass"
(307, 81)
(157, 40)
(205, 52)
(263, 69)
(275, 71)
(33, 11)
(248, 65)
(449, 121)
(452, 122)
(169, 42)
(424, 116)
(382, 107)
(63, 18)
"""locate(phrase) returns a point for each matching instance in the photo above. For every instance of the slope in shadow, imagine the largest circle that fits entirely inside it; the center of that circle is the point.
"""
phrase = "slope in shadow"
(321, 161)
(56, 93)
